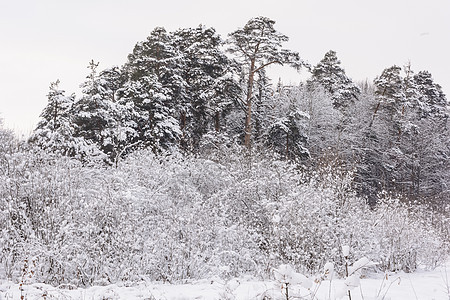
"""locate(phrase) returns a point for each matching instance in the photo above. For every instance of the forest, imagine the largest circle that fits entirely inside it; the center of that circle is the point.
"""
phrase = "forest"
(188, 162)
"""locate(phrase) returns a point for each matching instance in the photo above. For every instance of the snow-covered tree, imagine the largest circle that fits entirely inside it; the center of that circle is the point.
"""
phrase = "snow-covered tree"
(92, 113)
(426, 142)
(99, 118)
(211, 82)
(391, 98)
(286, 124)
(287, 138)
(156, 88)
(405, 145)
(259, 45)
(55, 132)
(109, 82)
(432, 100)
(7, 139)
(331, 76)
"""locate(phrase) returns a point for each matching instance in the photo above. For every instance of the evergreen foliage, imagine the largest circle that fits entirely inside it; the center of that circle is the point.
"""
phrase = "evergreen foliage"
(259, 45)
(331, 76)
(155, 87)
(56, 130)
(212, 83)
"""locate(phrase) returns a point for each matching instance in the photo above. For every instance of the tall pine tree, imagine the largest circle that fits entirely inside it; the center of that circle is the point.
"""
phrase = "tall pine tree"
(211, 84)
(259, 45)
(156, 88)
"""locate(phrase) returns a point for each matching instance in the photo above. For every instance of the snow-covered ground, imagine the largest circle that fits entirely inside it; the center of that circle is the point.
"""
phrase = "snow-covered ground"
(419, 285)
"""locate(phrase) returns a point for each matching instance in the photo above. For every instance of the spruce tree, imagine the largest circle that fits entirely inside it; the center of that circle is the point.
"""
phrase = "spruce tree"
(55, 132)
(98, 115)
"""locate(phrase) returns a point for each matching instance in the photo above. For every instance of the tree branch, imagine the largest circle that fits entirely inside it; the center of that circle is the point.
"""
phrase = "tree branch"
(267, 64)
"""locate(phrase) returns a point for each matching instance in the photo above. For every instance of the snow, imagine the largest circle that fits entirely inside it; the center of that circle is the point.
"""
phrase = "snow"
(345, 250)
(423, 285)
(359, 264)
(328, 271)
(285, 274)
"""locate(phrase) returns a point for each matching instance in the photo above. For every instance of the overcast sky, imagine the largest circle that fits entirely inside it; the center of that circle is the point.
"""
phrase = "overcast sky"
(45, 40)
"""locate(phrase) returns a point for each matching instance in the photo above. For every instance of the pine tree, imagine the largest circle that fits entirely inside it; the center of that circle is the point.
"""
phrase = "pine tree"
(428, 147)
(384, 133)
(331, 76)
(406, 144)
(110, 81)
(120, 133)
(259, 45)
(156, 88)
(391, 98)
(55, 114)
(432, 100)
(210, 77)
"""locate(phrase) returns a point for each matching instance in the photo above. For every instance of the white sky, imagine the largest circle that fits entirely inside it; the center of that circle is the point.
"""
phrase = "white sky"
(45, 40)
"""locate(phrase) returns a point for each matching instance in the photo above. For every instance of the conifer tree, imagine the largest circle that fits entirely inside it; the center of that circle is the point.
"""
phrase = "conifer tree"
(331, 76)
(431, 100)
(55, 132)
(287, 137)
(428, 146)
(406, 143)
(210, 77)
(110, 80)
(155, 87)
(390, 95)
(259, 45)
(98, 117)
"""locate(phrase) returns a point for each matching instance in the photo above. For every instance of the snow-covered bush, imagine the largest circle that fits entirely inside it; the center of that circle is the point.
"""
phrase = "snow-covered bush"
(286, 276)
(402, 237)
(181, 217)
(312, 224)
(189, 228)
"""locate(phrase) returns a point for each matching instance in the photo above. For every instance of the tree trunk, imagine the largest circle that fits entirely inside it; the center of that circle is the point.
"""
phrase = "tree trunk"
(248, 116)
(217, 121)
(287, 145)
(183, 121)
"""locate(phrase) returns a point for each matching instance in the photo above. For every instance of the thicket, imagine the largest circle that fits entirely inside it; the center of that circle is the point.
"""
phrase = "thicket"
(180, 217)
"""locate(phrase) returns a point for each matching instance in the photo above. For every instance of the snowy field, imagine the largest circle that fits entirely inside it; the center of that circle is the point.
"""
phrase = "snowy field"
(421, 285)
